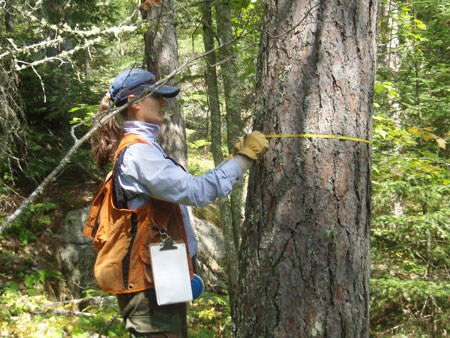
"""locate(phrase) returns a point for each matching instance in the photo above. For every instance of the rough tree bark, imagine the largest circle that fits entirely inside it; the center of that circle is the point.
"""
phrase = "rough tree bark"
(304, 260)
(161, 55)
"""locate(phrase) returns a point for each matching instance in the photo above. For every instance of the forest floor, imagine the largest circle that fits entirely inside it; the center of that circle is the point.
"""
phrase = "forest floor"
(35, 300)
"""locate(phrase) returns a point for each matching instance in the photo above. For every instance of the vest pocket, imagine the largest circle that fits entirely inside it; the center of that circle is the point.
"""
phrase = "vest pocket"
(108, 265)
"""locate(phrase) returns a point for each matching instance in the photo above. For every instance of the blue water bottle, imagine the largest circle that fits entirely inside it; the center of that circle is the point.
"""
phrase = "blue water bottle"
(197, 286)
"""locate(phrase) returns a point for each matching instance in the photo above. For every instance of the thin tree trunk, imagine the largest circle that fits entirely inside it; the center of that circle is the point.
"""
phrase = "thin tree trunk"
(161, 55)
(230, 72)
(391, 59)
(304, 260)
(13, 126)
(216, 148)
(232, 92)
(231, 84)
(212, 90)
(9, 17)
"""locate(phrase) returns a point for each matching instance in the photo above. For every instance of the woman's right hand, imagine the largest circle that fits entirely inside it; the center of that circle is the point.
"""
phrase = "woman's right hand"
(253, 145)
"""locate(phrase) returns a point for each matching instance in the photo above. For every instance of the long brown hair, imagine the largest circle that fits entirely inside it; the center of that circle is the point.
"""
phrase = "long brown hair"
(106, 139)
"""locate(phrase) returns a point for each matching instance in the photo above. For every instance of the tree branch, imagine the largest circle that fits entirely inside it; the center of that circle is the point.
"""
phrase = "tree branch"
(59, 39)
(36, 46)
(59, 57)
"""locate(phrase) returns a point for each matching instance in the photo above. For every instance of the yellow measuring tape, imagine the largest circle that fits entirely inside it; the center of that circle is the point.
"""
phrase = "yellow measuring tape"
(345, 138)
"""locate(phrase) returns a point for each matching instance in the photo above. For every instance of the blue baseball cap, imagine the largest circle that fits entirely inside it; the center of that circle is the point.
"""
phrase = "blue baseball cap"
(133, 82)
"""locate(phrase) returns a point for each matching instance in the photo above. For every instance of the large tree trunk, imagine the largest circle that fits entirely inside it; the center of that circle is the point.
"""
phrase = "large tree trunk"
(161, 54)
(305, 264)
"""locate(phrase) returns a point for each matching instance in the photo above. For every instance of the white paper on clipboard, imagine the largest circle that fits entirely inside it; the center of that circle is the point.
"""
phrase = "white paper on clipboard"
(171, 274)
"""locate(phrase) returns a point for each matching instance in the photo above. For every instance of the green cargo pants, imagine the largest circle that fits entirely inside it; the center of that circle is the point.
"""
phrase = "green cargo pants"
(144, 318)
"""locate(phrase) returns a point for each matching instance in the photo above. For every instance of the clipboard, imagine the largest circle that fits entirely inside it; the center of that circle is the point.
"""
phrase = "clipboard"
(170, 272)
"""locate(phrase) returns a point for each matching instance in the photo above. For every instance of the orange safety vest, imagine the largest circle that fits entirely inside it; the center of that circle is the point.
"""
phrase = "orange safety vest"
(121, 236)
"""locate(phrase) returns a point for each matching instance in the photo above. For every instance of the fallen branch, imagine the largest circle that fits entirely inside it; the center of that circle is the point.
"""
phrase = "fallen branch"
(74, 307)
(69, 313)
(63, 312)
(82, 303)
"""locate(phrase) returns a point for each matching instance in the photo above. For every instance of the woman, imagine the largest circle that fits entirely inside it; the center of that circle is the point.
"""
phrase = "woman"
(150, 189)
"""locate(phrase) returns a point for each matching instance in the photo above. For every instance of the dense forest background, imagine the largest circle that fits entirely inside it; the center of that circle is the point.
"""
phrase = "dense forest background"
(56, 62)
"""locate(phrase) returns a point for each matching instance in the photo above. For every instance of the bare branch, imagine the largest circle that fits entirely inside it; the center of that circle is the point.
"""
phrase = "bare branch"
(65, 28)
(33, 47)
(116, 31)
(61, 33)
(42, 82)
(59, 57)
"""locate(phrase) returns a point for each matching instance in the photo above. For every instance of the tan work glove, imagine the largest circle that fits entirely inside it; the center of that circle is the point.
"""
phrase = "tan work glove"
(252, 145)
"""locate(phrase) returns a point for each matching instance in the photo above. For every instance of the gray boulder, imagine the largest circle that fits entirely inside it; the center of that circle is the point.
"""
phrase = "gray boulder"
(76, 254)
(211, 252)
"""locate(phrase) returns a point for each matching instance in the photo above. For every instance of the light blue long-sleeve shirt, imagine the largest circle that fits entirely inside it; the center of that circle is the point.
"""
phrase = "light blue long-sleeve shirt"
(147, 172)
